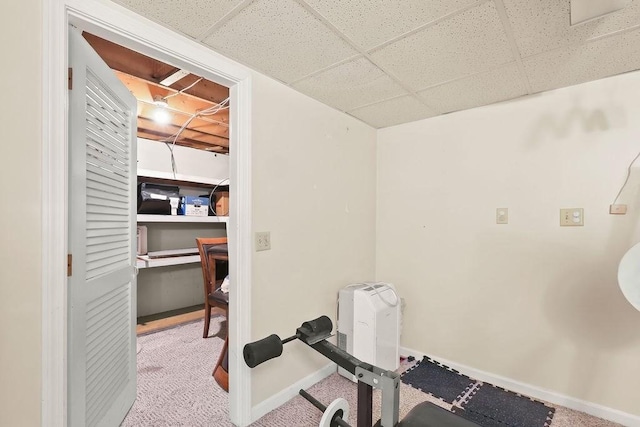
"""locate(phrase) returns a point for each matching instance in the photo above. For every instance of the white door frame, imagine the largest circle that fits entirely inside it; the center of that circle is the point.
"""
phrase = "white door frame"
(115, 23)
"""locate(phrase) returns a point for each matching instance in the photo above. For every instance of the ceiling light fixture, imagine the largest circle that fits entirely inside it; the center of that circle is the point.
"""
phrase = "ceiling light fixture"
(160, 101)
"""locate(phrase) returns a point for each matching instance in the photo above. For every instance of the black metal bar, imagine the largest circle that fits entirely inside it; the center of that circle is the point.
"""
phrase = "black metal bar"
(323, 408)
(365, 405)
(339, 356)
(313, 400)
(291, 338)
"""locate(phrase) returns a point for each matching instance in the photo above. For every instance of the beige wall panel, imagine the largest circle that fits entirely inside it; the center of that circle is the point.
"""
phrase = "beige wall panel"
(314, 190)
(530, 300)
(20, 257)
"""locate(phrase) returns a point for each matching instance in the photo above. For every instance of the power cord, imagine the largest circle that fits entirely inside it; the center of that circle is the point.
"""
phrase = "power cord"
(206, 112)
(627, 179)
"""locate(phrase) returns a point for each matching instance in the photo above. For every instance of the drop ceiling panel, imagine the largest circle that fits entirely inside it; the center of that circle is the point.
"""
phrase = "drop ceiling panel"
(191, 17)
(481, 89)
(579, 64)
(393, 112)
(370, 23)
(470, 42)
(280, 38)
(350, 85)
(543, 25)
(363, 56)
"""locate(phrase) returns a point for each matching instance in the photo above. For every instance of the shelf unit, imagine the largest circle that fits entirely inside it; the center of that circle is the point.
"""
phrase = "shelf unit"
(143, 261)
(181, 218)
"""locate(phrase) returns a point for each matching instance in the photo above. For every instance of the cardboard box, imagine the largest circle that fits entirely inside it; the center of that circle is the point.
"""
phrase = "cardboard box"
(222, 203)
(194, 206)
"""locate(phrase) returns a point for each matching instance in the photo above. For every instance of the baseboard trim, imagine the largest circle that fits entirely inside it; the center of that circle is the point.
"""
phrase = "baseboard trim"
(590, 408)
(288, 393)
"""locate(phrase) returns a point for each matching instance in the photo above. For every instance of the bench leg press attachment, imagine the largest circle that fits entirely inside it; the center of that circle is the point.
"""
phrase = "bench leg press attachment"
(314, 333)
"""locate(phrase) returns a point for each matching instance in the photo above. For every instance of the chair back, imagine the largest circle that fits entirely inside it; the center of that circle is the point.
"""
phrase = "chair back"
(206, 247)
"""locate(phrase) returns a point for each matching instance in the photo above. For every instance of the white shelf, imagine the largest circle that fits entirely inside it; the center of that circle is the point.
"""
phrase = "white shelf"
(182, 218)
(144, 261)
(179, 177)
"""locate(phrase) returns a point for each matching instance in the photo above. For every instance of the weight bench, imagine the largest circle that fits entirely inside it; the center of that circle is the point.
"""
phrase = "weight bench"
(314, 334)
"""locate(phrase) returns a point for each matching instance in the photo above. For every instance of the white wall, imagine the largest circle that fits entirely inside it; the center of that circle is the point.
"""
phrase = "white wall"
(314, 190)
(530, 301)
(189, 162)
(20, 258)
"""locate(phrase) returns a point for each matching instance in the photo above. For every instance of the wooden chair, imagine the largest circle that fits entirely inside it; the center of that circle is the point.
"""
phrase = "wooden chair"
(212, 249)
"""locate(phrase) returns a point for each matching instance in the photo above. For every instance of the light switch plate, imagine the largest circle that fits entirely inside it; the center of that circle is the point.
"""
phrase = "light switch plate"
(571, 217)
(263, 240)
(502, 216)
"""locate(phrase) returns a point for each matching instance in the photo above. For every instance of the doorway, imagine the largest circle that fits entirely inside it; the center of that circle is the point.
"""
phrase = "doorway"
(113, 23)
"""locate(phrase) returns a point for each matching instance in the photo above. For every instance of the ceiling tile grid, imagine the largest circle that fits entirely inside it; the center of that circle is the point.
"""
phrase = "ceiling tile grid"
(191, 17)
(393, 112)
(578, 64)
(281, 39)
(378, 59)
(350, 85)
(370, 23)
(543, 25)
(496, 85)
(470, 42)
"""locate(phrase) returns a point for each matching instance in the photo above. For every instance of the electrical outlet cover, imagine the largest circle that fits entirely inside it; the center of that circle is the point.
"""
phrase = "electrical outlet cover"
(617, 209)
(502, 216)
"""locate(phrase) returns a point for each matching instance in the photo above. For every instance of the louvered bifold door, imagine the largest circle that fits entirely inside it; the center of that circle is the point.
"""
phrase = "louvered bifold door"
(102, 198)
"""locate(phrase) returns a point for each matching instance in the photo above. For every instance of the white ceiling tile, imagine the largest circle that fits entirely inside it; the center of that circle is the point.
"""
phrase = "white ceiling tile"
(543, 25)
(595, 60)
(481, 89)
(280, 38)
(468, 43)
(393, 112)
(370, 23)
(191, 17)
(350, 85)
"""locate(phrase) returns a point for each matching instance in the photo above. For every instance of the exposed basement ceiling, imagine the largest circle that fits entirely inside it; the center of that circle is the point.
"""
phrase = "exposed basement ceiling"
(189, 101)
(388, 62)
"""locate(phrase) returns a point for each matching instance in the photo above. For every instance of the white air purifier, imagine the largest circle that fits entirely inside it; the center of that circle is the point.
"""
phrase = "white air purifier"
(369, 324)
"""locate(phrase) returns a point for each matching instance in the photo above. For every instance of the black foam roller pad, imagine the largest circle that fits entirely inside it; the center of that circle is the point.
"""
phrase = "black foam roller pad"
(260, 351)
(320, 326)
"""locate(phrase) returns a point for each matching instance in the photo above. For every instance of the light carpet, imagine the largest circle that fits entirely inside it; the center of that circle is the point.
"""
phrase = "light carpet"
(175, 388)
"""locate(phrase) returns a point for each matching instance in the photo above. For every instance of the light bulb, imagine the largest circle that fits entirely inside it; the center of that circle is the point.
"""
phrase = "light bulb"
(161, 116)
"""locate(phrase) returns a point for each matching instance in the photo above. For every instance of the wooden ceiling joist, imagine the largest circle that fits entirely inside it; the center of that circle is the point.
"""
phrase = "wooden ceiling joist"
(149, 69)
(185, 101)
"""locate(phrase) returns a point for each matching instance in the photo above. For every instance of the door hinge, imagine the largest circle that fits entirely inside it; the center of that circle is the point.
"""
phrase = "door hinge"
(69, 265)
(70, 74)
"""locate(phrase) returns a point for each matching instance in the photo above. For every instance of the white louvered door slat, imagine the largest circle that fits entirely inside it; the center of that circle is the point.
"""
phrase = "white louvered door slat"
(102, 199)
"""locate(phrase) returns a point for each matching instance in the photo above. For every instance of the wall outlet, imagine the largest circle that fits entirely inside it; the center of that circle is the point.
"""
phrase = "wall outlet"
(263, 240)
(617, 209)
(571, 217)
(502, 216)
